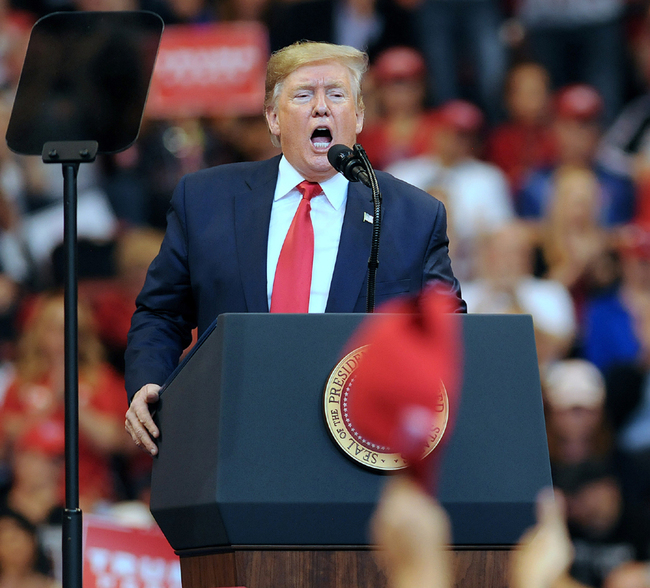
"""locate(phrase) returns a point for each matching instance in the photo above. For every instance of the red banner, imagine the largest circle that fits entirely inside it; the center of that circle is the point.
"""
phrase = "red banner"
(210, 70)
(116, 556)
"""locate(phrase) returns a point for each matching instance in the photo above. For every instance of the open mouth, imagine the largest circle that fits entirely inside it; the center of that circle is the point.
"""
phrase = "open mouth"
(321, 138)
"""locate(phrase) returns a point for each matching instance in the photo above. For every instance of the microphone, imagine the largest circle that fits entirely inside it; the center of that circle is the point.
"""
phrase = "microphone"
(344, 160)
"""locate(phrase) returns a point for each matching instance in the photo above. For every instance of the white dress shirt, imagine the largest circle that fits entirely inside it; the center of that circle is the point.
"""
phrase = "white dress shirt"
(327, 212)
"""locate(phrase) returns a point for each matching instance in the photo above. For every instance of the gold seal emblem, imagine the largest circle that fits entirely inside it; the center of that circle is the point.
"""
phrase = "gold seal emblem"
(339, 388)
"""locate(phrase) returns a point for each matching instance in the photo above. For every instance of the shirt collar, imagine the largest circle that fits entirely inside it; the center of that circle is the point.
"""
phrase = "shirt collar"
(335, 189)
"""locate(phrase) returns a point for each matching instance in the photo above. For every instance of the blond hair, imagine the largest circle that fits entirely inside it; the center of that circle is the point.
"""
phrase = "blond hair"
(32, 362)
(288, 59)
(137, 247)
(558, 224)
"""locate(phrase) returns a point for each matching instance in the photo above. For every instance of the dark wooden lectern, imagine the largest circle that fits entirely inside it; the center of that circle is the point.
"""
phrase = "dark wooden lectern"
(250, 490)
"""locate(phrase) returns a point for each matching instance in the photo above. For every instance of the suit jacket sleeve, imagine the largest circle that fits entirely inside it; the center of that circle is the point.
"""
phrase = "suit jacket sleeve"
(165, 312)
(437, 265)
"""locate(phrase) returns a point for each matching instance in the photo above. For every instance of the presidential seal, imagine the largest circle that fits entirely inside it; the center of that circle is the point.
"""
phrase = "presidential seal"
(339, 388)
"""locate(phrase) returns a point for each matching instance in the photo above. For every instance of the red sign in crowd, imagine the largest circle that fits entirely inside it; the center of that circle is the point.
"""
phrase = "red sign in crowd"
(209, 70)
(116, 556)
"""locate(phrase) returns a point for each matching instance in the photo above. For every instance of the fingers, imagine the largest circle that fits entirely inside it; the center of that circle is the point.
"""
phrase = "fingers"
(139, 423)
(545, 552)
(412, 532)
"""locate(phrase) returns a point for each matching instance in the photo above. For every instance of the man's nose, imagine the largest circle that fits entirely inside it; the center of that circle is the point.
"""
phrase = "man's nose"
(321, 107)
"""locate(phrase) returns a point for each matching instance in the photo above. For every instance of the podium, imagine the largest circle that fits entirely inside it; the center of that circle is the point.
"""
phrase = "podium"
(250, 490)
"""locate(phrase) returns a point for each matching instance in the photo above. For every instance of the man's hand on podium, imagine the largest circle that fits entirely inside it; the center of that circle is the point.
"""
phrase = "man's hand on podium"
(139, 423)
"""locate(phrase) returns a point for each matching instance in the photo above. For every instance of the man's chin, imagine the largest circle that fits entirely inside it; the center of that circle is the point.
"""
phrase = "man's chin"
(318, 168)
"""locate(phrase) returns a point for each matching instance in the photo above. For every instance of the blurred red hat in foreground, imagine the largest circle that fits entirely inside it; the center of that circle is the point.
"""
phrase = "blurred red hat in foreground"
(413, 346)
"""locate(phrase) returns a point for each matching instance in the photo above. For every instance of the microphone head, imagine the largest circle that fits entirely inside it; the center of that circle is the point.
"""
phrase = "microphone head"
(338, 156)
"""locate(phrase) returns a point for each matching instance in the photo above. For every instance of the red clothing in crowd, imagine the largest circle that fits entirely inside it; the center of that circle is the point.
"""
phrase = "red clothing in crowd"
(384, 149)
(518, 148)
(34, 402)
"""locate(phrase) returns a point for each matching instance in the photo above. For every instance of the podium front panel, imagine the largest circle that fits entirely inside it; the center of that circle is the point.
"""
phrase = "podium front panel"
(245, 457)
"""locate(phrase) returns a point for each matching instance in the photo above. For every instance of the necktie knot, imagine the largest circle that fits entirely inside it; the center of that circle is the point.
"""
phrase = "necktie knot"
(309, 189)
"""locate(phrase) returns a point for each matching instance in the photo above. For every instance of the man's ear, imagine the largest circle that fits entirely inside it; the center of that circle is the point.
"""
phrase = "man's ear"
(360, 114)
(272, 120)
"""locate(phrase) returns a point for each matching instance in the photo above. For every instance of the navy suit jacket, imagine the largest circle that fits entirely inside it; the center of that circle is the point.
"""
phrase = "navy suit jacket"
(213, 258)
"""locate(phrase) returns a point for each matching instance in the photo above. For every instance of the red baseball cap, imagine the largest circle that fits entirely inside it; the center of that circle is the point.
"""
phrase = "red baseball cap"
(578, 101)
(399, 63)
(461, 115)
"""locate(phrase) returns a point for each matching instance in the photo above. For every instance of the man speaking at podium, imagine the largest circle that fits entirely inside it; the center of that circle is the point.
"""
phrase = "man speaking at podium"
(288, 234)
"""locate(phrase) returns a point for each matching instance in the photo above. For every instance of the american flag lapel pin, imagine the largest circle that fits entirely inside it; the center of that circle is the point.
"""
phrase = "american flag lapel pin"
(367, 218)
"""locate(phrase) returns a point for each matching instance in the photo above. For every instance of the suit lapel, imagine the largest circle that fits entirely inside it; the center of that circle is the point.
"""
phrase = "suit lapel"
(252, 217)
(354, 248)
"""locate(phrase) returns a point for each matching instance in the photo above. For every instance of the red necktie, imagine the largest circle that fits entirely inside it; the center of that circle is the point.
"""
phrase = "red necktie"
(292, 282)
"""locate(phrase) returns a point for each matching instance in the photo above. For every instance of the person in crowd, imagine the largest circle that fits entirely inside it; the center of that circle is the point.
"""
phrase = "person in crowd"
(166, 150)
(36, 394)
(505, 284)
(240, 238)
(477, 192)
(577, 430)
(577, 131)
(610, 536)
(628, 408)
(460, 36)
(243, 10)
(249, 137)
(617, 339)
(617, 320)
(405, 127)
(114, 300)
(525, 140)
(574, 247)
(37, 474)
(367, 25)
(578, 41)
(23, 563)
(625, 147)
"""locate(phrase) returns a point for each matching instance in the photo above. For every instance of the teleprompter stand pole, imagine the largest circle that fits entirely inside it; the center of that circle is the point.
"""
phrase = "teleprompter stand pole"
(70, 154)
(86, 98)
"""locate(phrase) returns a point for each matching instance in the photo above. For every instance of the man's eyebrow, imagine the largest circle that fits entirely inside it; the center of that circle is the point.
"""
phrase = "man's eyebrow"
(331, 84)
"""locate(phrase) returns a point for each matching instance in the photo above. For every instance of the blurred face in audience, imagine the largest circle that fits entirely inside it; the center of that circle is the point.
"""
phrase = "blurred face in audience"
(17, 546)
(402, 96)
(454, 145)
(527, 95)
(576, 198)
(575, 422)
(507, 254)
(52, 322)
(576, 140)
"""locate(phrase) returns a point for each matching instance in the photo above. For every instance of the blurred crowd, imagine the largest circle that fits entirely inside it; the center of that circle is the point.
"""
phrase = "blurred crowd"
(530, 119)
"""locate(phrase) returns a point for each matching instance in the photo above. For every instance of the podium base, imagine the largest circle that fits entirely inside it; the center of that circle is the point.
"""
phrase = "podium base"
(474, 568)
